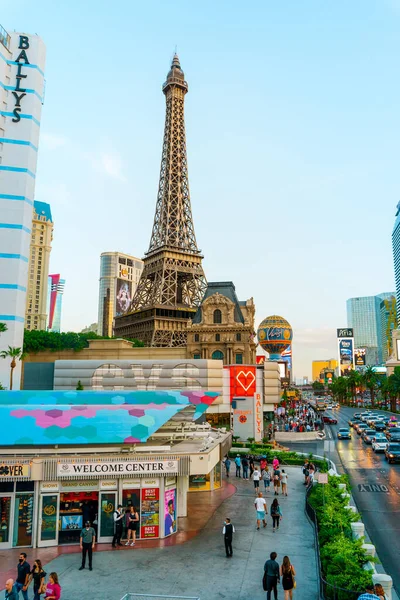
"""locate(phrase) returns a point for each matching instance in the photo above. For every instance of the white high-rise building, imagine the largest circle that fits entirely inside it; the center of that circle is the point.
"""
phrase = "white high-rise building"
(22, 61)
(119, 277)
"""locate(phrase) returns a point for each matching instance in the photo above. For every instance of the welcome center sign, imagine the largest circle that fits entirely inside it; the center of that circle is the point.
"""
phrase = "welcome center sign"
(117, 467)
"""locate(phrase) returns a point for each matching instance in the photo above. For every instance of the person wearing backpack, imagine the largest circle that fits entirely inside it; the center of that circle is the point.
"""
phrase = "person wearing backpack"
(277, 481)
(266, 477)
(276, 514)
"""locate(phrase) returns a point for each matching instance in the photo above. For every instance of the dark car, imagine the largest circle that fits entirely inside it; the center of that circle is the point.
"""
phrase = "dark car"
(353, 421)
(344, 434)
(379, 426)
(330, 420)
(392, 433)
(392, 453)
(367, 435)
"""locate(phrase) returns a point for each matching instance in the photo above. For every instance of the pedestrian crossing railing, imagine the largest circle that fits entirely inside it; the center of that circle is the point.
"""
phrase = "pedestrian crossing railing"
(161, 597)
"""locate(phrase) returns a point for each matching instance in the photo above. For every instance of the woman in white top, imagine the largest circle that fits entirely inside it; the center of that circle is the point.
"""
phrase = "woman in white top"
(284, 482)
(256, 478)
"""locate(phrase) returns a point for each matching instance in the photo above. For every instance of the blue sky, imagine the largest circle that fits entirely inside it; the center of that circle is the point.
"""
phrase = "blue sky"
(293, 134)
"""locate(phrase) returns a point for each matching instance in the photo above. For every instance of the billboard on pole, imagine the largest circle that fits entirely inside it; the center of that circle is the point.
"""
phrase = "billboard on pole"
(346, 355)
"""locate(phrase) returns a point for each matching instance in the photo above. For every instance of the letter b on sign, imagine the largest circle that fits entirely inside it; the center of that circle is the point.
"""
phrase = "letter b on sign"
(23, 42)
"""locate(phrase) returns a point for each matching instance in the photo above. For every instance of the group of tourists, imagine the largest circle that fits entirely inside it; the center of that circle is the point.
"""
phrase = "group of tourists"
(275, 477)
(35, 577)
(275, 574)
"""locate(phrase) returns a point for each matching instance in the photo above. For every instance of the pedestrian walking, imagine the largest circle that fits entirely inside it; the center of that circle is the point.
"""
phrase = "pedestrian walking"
(284, 479)
(245, 465)
(118, 526)
(23, 575)
(251, 464)
(256, 478)
(87, 541)
(266, 477)
(53, 588)
(276, 514)
(277, 481)
(11, 590)
(263, 463)
(287, 574)
(228, 531)
(227, 464)
(306, 472)
(261, 508)
(271, 576)
(369, 593)
(132, 527)
(238, 464)
(37, 575)
(275, 464)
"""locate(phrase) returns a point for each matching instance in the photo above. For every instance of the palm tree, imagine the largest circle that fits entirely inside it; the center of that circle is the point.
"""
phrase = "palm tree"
(353, 382)
(394, 388)
(3, 327)
(371, 380)
(14, 354)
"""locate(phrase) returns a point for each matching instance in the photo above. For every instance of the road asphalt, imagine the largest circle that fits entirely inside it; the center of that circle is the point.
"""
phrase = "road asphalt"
(199, 567)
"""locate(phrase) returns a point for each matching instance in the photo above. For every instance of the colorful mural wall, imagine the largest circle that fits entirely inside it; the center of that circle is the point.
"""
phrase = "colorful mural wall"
(87, 417)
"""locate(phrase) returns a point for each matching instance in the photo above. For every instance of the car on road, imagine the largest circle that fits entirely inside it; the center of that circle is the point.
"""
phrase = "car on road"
(392, 453)
(393, 433)
(367, 435)
(330, 420)
(379, 442)
(344, 434)
(364, 416)
(360, 427)
(379, 426)
(353, 421)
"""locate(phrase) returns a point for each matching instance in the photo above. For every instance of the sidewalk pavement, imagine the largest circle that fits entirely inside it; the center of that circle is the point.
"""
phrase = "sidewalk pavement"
(199, 567)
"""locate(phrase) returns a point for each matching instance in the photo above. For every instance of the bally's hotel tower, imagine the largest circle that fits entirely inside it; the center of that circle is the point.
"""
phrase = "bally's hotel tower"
(22, 61)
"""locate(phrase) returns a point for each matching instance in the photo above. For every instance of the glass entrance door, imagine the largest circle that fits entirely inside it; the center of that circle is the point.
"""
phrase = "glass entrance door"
(48, 520)
(107, 506)
(6, 508)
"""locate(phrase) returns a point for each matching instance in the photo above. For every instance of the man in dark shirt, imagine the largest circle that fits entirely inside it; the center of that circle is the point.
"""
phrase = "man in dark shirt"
(271, 569)
(87, 542)
(228, 532)
(23, 571)
(11, 590)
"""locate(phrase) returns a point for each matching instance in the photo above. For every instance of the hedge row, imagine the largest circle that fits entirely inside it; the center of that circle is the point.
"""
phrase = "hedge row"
(342, 557)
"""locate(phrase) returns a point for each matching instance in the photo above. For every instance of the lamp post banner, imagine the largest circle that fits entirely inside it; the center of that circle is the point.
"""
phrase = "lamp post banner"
(117, 467)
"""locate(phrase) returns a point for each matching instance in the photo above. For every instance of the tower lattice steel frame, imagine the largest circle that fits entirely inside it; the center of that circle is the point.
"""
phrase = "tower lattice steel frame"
(172, 283)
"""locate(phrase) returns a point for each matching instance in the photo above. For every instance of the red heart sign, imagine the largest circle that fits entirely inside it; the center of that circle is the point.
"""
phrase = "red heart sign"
(245, 379)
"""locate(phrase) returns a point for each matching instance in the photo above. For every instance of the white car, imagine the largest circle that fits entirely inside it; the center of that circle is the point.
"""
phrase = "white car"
(379, 442)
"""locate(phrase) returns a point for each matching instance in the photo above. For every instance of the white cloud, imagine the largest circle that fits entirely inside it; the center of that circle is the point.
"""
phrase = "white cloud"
(112, 165)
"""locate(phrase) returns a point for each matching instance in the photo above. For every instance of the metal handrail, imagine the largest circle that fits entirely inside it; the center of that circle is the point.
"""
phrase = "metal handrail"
(131, 596)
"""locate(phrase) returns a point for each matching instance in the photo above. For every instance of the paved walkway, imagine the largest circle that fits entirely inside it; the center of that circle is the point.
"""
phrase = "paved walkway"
(199, 566)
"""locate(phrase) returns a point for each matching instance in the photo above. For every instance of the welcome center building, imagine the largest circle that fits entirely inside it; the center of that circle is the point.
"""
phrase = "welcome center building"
(22, 61)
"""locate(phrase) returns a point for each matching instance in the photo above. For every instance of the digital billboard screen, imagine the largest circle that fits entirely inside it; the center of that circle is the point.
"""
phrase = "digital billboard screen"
(346, 355)
(123, 296)
(359, 357)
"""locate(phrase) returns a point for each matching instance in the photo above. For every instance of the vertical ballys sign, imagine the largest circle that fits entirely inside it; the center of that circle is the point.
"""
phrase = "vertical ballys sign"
(19, 92)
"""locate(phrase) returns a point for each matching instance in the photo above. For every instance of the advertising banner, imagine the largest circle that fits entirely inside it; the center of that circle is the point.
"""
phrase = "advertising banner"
(123, 296)
(359, 357)
(242, 381)
(345, 333)
(346, 355)
(169, 512)
(150, 513)
(258, 415)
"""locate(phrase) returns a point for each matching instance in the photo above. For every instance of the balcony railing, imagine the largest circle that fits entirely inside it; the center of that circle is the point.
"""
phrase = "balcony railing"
(4, 38)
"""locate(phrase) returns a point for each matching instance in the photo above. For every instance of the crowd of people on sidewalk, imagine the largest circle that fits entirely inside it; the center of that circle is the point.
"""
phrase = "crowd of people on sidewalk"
(303, 419)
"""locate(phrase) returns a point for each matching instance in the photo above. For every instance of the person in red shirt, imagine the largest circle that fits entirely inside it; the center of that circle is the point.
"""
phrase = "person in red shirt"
(53, 589)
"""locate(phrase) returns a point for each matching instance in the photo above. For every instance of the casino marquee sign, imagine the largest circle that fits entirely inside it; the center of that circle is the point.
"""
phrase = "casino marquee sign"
(117, 468)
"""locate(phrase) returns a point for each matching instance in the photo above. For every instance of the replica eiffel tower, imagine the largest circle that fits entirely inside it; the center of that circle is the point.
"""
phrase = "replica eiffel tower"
(172, 283)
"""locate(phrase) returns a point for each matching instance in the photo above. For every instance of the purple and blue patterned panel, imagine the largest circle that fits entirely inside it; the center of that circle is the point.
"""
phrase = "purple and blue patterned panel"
(87, 417)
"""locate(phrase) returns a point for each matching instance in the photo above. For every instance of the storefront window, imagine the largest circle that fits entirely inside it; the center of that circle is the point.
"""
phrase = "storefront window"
(5, 513)
(23, 519)
(49, 518)
(107, 514)
(169, 511)
(199, 483)
(217, 476)
(75, 509)
(131, 498)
